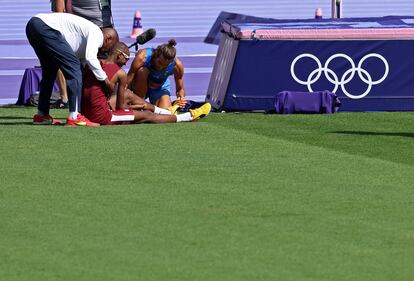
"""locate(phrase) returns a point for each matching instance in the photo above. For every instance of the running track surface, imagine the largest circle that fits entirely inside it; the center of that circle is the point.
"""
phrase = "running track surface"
(186, 20)
(198, 59)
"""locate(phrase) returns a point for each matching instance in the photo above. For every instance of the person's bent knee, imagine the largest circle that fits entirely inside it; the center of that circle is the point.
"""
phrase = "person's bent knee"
(143, 71)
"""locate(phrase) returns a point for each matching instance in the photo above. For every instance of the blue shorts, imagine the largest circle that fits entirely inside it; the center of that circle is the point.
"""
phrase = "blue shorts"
(156, 94)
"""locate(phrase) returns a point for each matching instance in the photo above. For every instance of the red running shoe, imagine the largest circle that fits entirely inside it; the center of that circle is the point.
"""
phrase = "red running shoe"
(80, 121)
(45, 120)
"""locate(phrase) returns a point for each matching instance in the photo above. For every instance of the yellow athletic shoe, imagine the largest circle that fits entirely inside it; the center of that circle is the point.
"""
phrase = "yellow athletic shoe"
(173, 108)
(201, 112)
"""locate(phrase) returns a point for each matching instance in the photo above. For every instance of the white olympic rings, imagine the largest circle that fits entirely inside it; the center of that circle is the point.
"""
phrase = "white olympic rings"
(347, 76)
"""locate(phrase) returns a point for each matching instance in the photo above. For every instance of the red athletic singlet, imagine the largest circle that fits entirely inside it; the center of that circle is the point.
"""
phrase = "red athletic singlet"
(94, 104)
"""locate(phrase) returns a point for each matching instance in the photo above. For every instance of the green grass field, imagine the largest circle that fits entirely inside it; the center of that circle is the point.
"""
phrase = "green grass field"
(232, 197)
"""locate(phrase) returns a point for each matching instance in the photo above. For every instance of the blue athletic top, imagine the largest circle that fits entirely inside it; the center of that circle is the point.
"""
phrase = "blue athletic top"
(157, 78)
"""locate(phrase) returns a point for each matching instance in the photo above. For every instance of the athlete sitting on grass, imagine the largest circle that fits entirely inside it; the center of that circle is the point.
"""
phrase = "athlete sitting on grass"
(149, 72)
(125, 106)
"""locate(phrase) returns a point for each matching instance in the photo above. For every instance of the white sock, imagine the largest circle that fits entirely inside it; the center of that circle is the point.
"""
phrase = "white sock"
(185, 117)
(159, 110)
(73, 114)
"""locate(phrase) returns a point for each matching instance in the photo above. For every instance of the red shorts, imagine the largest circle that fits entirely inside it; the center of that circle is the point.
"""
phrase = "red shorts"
(121, 116)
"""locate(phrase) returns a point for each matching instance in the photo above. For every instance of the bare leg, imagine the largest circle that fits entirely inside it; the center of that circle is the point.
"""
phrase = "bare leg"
(132, 100)
(62, 86)
(149, 117)
(140, 83)
(164, 102)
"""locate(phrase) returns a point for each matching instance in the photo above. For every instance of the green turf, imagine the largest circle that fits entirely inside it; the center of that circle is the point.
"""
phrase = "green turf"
(232, 197)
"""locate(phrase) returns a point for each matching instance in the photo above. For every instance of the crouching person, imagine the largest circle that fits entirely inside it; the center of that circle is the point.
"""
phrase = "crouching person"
(125, 107)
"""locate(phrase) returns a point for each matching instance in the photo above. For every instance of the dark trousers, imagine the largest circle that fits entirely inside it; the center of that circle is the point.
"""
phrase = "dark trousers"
(54, 53)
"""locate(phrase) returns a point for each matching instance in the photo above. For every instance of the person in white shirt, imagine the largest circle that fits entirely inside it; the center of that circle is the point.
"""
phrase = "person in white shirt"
(65, 41)
(97, 11)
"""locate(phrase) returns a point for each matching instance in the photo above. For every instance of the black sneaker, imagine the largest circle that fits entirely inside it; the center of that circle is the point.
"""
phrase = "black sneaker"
(60, 104)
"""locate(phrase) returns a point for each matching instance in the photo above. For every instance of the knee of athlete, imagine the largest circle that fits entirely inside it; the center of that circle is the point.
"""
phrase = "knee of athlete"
(142, 74)
(142, 70)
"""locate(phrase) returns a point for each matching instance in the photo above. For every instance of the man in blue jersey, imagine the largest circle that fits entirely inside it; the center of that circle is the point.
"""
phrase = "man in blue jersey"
(149, 72)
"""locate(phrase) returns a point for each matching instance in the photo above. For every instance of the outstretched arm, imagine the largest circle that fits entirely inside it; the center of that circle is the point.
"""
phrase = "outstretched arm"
(120, 78)
(138, 62)
(179, 82)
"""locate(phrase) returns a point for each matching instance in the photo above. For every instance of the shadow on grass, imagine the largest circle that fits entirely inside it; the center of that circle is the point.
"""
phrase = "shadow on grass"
(15, 118)
(387, 134)
(15, 123)
(14, 106)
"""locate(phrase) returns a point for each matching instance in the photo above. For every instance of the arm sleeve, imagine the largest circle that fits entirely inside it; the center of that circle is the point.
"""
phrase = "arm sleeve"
(94, 42)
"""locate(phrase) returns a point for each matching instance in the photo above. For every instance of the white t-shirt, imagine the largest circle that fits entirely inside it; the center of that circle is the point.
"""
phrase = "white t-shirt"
(83, 36)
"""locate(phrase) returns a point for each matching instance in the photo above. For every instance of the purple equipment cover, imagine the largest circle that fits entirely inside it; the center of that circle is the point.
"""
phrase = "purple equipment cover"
(287, 102)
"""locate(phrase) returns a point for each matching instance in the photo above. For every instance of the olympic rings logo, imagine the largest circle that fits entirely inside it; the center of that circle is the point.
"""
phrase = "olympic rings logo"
(345, 78)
